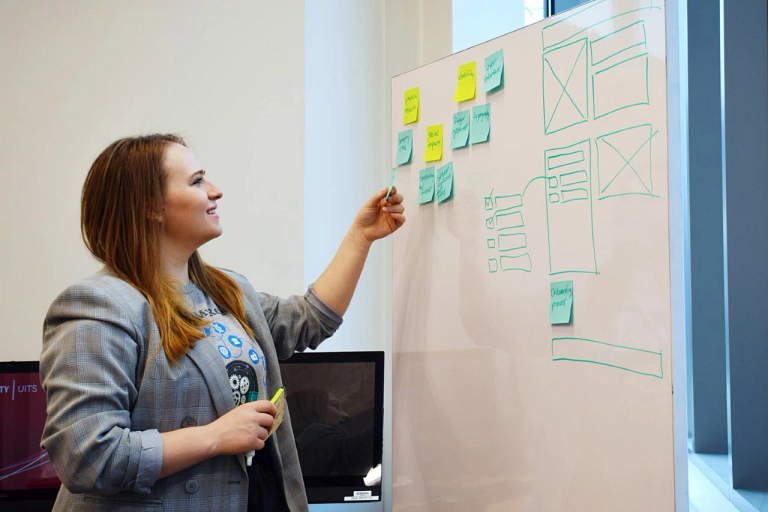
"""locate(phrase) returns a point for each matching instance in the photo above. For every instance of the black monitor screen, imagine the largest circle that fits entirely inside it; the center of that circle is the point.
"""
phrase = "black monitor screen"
(25, 470)
(335, 400)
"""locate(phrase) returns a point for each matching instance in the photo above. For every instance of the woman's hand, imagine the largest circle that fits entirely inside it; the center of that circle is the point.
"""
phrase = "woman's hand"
(244, 428)
(377, 218)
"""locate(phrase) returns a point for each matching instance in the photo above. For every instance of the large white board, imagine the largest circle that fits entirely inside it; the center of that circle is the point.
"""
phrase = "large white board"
(493, 407)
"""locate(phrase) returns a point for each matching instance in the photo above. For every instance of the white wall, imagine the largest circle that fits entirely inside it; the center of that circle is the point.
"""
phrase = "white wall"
(353, 49)
(78, 75)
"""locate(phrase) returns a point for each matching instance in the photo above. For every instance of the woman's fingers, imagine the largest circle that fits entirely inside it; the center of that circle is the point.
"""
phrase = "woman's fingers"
(398, 208)
(399, 218)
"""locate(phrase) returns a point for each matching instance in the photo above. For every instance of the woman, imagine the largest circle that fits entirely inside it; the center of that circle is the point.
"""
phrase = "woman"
(144, 362)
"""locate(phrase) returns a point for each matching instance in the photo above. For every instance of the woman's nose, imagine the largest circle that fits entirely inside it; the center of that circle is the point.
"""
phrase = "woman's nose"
(214, 193)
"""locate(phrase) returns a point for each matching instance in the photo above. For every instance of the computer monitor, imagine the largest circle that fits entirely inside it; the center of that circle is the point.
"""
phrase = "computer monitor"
(336, 404)
(27, 478)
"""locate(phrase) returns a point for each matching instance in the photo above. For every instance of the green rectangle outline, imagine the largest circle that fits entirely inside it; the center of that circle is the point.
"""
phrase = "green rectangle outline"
(660, 375)
(592, 51)
(647, 93)
(563, 183)
(565, 154)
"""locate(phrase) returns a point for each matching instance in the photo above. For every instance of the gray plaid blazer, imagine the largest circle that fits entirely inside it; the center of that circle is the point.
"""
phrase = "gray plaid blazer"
(108, 400)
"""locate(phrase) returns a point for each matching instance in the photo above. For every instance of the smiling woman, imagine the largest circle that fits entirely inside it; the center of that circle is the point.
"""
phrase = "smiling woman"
(145, 364)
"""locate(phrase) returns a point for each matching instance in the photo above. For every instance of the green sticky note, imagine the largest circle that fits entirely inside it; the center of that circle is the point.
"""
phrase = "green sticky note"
(391, 182)
(481, 123)
(445, 182)
(561, 302)
(494, 71)
(404, 147)
(426, 185)
(460, 132)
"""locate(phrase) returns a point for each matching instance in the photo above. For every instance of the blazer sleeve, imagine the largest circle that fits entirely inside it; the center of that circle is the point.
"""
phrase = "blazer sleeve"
(298, 322)
(88, 368)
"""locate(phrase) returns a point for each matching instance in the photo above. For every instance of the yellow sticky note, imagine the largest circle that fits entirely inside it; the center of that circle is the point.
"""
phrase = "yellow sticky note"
(465, 87)
(434, 150)
(411, 106)
(279, 401)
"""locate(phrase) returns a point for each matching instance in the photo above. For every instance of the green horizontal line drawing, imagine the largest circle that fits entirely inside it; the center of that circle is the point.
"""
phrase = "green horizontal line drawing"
(522, 262)
(547, 47)
(568, 161)
(647, 189)
(511, 242)
(593, 272)
(643, 361)
(566, 18)
(592, 43)
(564, 88)
(575, 194)
(509, 202)
(578, 177)
(647, 100)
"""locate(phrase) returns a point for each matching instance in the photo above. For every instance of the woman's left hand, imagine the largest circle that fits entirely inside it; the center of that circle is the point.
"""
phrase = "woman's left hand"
(378, 218)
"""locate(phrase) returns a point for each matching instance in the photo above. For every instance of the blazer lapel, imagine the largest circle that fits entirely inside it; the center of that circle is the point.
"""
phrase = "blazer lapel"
(261, 333)
(215, 375)
(214, 372)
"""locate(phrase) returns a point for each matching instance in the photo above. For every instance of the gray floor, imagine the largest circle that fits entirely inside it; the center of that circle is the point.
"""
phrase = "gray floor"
(709, 487)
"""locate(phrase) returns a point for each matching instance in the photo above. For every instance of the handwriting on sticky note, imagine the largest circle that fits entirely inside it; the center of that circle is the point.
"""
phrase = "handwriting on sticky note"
(460, 131)
(561, 302)
(426, 185)
(411, 106)
(481, 123)
(404, 147)
(434, 149)
(494, 71)
(465, 87)
(445, 182)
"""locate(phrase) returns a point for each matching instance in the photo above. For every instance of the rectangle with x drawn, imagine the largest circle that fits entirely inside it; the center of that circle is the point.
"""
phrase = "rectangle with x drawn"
(624, 162)
(565, 86)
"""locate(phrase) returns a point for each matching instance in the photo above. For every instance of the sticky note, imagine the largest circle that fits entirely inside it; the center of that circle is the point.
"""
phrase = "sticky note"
(494, 71)
(404, 147)
(391, 182)
(481, 123)
(465, 87)
(561, 302)
(434, 149)
(426, 185)
(460, 132)
(279, 401)
(411, 106)
(445, 182)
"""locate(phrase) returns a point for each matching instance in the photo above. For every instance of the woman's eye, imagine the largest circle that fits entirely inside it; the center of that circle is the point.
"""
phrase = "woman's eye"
(197, 181)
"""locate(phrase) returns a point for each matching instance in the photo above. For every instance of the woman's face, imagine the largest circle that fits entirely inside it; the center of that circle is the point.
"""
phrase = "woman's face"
(334, 414)
(189, 201)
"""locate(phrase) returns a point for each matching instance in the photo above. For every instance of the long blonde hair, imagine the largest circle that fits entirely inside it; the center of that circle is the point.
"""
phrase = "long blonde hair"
(122, 195)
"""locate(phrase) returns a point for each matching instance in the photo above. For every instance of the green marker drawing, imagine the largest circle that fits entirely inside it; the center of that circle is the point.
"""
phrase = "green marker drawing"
(631, 94)
(622, 357)
(619, 175)
(559, 117)
(570, 211)
(551, 35)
